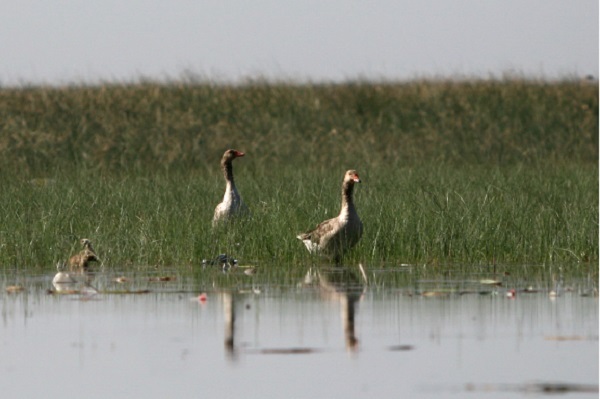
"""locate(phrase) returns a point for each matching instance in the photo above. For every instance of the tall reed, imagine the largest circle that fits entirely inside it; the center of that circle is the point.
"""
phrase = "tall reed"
(478, 172)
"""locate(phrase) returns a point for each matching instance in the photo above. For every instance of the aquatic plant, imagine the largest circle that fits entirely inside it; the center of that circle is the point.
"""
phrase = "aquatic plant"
(480, 172)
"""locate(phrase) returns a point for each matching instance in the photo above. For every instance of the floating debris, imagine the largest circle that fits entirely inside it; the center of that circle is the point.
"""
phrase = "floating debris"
(122, 280)
(126, 292)
(567, 338)
(511, 293)
(11, 289)
(490, 282)
(546, 388)
(433, 294)
(50, 291)
(288, 351)
(202, 298)
(530, 290)
(162, 279)
(400, 348)
(87, 293)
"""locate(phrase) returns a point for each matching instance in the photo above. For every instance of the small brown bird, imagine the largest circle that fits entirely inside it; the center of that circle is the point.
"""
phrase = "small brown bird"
(232, 204)
(334, 237)
(80, 262)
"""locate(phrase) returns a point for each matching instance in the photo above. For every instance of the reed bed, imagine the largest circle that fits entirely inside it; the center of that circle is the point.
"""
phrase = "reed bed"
(470, 173)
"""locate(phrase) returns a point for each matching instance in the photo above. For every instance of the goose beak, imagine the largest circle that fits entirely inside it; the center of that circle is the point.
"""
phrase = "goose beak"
(239, 154)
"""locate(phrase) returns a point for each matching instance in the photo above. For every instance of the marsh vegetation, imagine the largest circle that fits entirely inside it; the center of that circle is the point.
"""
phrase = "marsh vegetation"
(471, 173)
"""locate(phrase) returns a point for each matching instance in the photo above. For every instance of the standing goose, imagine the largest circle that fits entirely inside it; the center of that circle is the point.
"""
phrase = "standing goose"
(334, 237)
(232, 204)
(80, 262)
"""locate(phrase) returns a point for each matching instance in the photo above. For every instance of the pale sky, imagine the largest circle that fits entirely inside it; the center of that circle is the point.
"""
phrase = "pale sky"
(83, 41)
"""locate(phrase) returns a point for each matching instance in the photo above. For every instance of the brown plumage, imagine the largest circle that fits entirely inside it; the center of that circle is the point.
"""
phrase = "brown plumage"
(335, 237)
(232, 204)
(80, 262)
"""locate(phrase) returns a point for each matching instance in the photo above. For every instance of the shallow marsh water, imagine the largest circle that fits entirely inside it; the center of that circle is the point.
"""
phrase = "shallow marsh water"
(327, 335)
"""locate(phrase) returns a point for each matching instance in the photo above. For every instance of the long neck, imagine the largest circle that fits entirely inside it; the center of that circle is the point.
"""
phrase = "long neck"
(231, 194)
(347, 198)
(227, 171)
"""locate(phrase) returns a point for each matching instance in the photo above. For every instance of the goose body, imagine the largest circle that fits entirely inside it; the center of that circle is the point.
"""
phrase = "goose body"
(81, 261)
(232, 204)
(334, 237)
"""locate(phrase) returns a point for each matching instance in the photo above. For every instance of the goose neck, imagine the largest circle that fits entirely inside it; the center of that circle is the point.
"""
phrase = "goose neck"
(347, 196)
(228, 171)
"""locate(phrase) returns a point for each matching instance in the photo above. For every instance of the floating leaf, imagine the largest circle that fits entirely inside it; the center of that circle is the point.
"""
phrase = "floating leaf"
(490, 282)
(431, 294)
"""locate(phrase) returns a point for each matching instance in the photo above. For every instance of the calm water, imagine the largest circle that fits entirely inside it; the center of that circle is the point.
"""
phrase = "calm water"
(327, 336)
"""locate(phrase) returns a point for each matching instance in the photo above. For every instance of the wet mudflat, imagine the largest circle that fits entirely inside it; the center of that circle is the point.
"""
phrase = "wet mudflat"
(329, 335)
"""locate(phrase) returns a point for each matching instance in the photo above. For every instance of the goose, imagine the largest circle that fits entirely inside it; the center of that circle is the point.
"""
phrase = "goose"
(334, 237)
(80, 262)
(232, 204)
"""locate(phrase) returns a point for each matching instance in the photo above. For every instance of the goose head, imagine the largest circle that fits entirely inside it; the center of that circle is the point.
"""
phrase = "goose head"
(351, 176)
(232, 154)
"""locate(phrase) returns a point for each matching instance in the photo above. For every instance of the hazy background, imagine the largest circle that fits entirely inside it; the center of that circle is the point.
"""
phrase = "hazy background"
(78, 41)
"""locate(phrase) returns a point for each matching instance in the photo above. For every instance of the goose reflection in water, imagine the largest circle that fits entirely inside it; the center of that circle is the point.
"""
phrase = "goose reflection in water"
(229, 319)
(341, 284)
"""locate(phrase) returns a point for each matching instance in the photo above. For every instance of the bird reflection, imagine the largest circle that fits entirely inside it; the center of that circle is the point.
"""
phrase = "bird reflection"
(339, 284)
(344, 285)
(229, 321)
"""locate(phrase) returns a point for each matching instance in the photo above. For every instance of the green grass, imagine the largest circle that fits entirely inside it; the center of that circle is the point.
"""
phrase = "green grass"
(432, 215)
(469, 173)
(182, 127)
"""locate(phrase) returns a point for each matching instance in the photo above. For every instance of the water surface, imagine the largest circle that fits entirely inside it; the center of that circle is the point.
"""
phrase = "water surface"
(328, 335)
